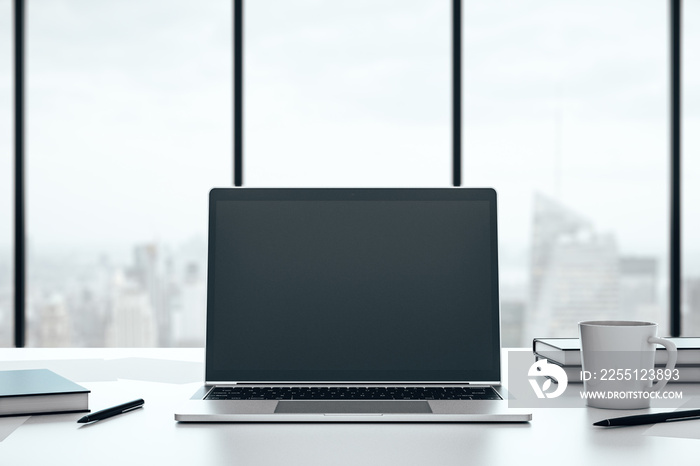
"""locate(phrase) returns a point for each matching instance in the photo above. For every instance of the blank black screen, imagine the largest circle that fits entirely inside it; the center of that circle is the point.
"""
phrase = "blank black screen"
(352, 290)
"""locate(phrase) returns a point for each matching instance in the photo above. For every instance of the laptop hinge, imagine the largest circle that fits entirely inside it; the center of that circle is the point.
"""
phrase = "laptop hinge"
(364, 384)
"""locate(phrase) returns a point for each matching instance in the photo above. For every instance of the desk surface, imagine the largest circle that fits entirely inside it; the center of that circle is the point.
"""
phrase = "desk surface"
(167, 377)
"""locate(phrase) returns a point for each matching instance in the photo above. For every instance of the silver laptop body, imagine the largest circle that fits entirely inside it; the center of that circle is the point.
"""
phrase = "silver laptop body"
(360, 295)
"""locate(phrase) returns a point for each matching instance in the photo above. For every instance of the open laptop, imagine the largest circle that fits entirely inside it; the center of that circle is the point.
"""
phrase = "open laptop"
(352, 305)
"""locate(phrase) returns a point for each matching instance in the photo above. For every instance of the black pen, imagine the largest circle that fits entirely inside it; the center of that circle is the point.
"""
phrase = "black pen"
(109, 412)
(655, 418)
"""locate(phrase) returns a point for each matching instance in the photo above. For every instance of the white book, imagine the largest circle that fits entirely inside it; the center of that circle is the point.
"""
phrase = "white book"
(686, 373)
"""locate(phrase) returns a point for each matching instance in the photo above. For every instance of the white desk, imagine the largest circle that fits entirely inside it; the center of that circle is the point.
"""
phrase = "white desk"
(170, 376)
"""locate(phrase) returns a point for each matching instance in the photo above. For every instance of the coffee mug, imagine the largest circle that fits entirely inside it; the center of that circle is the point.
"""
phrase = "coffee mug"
(618, 363)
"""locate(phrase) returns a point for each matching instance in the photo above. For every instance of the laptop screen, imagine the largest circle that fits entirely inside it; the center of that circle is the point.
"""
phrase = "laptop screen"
(352, 285)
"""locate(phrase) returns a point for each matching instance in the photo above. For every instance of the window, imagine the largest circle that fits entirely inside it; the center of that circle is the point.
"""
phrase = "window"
(6, 174)
(347, 93)
(690, 134)
(128, 127)
(564, 110)
(565, 114)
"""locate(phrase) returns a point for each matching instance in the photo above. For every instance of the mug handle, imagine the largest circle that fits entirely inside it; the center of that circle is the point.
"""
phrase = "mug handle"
(670, 364)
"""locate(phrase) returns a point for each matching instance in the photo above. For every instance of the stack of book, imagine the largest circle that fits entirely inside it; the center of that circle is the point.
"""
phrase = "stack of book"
(566, 352)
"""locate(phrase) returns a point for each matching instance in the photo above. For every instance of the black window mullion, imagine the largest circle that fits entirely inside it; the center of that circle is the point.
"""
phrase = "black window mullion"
(456, 92)
(238, 93)
(19, 230)
(675, 253)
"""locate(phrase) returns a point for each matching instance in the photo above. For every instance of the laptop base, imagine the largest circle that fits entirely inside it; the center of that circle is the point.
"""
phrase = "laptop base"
(350, 411)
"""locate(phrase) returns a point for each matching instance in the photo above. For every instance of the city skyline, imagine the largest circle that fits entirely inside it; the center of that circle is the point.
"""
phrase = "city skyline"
(155, 295)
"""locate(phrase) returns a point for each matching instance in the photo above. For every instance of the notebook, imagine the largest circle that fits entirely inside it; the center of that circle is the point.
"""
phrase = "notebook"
(39, 391)
(341, 305)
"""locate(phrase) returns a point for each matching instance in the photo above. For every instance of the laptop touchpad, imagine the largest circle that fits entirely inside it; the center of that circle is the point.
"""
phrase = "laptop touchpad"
(353, 407)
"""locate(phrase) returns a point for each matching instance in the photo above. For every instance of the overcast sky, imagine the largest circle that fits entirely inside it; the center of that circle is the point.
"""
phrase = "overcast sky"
(129, 109)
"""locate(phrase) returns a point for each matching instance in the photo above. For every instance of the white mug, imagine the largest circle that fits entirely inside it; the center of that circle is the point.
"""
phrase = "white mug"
(618, 363)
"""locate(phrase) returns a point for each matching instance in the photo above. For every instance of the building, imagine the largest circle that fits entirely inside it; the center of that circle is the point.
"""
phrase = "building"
(574, 272)
(132, 320)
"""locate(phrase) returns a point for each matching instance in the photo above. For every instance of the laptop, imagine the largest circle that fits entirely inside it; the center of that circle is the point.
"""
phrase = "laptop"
(342, 305)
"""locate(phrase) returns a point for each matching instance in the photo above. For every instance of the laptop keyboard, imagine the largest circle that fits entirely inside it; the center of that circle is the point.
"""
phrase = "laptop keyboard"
(352, 393)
